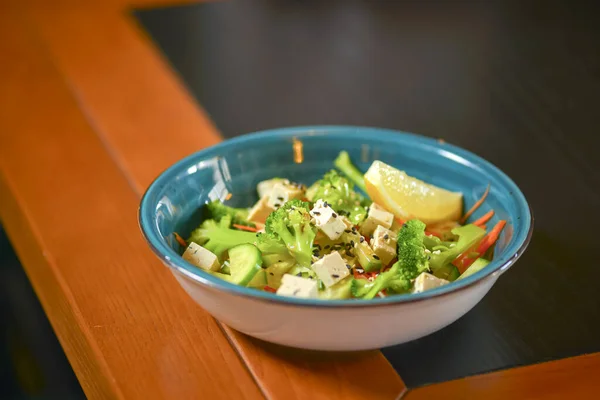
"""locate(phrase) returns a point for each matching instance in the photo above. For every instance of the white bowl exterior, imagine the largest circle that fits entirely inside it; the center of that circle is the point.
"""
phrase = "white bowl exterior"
(335, 328)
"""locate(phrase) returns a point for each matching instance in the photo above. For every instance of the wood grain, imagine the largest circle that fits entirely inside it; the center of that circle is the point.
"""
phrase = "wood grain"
(112, 67)
(80, 42)
(285, 373)
(70, 214)
(570, 378)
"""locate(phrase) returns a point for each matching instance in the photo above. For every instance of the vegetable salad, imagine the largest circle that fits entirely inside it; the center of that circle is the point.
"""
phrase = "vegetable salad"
(348, 235)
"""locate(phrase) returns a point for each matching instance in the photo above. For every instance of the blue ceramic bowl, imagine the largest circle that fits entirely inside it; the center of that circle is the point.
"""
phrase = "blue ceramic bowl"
(173, 201)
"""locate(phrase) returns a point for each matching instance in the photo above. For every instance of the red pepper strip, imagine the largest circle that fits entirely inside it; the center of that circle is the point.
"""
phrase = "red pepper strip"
(475, 206)
(399, 220)
(180, 239)
(269, 289)
(465, 260)
(244, 228)
(485, 218)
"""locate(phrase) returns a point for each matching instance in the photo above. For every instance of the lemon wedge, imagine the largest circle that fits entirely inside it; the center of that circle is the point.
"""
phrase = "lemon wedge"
(407, 197)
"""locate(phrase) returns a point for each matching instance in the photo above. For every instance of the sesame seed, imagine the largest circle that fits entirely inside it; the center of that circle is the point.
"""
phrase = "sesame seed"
(277, 205)
(272, 274)
(386, 236)
(299, 274)
(352, 243)
(334, 215)
(375, 256)
(335, 276)
(362, 239)
(279, 198)
(316, 213)
(348, 266)
(327, 246)
(347, 230)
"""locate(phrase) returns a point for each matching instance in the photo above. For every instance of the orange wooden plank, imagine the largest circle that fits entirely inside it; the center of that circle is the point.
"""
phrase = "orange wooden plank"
(112, 66)
(570, 378)
(79, 43)
(71, 216)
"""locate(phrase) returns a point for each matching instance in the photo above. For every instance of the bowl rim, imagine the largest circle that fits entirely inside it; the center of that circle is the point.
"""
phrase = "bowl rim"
(173, 260)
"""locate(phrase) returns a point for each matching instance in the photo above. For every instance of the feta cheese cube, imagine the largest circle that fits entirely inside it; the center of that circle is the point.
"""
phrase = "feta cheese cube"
(427, 281)
(331, 269)
(327, 220)
(281, 193)
(384, 244)
(264, 187)
(260, 211)
(201, 257)
(296, 286)
(377, 216)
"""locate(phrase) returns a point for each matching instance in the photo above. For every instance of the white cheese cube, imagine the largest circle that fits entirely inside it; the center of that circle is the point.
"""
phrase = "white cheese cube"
(260, 211)
(377, 216)
(201, 257)
(384, 244)
(327, 220)
(281, 193)
(427, 281)
(331, 269)
(296, 286)
(264, 188)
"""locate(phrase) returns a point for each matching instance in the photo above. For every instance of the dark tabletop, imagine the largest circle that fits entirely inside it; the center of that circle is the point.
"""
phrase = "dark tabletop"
(515, 82)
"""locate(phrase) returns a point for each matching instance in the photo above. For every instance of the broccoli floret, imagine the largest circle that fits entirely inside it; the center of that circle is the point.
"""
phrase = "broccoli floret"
(273, 249)
(339, 193)
(412, 260)
(411, 250)
(291, 224)
(218, 238)
(219, 210)
(360, 287)
(344, 164)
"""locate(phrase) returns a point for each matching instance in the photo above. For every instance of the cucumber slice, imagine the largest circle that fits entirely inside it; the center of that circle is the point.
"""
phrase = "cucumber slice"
(341, 290)
(367, 258)
(275, 272)
(259, 281)
(478, 265)
(244, 262)
(448, 272)
(225, 268)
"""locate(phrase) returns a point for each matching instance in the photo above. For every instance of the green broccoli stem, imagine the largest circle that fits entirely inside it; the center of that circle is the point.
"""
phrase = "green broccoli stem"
(344, 164)
(299, 243)
(383, 280)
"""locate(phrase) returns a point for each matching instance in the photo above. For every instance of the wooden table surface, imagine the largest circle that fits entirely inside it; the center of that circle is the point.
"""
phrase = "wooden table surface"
(90, 113)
